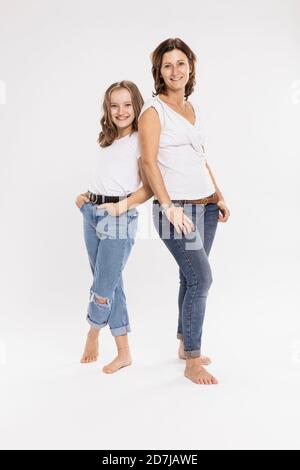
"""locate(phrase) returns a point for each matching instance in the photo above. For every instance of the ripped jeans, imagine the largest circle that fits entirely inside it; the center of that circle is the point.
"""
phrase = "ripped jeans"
(191, 254)
(109, 241)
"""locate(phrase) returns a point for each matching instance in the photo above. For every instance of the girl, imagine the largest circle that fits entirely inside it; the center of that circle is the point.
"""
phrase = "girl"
(110, 218)
(188, 200)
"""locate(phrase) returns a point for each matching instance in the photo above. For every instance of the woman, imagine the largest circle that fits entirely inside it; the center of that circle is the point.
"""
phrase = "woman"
(188, 203)
(110, 218)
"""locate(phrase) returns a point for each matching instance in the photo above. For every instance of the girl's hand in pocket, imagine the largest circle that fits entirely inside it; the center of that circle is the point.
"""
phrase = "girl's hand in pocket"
(80, 200)
(111, 208)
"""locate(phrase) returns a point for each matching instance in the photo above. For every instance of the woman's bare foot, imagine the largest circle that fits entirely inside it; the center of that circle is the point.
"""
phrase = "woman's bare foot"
(205, 361)
(197, 374)
(90, 353)
(123, 359)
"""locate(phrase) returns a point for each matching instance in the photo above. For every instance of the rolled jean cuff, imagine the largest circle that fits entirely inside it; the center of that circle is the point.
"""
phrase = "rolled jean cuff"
(95, 325)
(192, 354)
(179, 336)
(122, 330)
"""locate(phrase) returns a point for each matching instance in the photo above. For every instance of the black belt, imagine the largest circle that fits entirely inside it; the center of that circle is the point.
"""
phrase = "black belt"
(101, 199)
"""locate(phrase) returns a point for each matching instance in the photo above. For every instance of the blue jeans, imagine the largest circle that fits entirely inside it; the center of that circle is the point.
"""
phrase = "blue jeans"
(191, 254)
(109, 241)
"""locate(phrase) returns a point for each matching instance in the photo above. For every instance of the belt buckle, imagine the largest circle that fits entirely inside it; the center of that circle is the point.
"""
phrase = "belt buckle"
(93, 198)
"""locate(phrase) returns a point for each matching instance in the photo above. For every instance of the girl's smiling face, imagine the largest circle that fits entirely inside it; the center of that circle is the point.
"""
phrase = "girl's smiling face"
(121, 109)
(175, 69)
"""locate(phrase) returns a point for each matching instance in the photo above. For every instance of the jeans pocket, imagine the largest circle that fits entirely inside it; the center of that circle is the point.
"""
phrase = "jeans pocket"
(87, 210)
(127, 223)
(100, 211)
(121, 227)
(83, 206)
(133, 213)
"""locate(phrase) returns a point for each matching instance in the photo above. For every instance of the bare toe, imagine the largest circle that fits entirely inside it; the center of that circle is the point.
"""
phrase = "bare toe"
(198, 374)
(90, 353)
(118, 363)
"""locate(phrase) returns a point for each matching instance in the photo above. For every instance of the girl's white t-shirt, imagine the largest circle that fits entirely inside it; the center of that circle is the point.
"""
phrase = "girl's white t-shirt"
(181, 157)
(116, 171)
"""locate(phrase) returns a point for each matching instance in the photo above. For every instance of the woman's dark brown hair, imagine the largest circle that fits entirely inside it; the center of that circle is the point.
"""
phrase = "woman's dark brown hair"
(157, 56)
(109, 130)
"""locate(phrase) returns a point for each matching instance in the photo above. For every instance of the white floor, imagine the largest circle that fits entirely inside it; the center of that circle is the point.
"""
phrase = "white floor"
(50, 401)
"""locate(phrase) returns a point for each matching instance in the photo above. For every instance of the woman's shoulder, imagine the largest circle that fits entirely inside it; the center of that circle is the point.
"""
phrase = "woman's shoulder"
(153, 100)
(155, 103)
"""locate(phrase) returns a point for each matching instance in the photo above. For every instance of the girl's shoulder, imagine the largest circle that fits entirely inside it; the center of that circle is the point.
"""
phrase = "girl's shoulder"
(133, 141)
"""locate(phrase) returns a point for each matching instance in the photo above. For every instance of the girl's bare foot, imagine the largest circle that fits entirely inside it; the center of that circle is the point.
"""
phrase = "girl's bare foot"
(205, 361)
(197, 374)
(90, 353)
(123, 359)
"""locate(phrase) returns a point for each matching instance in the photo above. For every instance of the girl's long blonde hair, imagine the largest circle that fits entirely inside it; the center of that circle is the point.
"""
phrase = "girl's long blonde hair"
(109, 130)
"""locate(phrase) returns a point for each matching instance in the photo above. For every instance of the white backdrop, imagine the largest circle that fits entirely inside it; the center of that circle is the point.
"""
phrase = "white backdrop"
(57, 58)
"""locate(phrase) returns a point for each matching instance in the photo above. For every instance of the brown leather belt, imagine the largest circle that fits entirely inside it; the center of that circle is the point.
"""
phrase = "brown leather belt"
(212, 199)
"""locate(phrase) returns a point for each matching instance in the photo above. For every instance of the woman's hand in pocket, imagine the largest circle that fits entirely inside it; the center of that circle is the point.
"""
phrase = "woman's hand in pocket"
(224, 211)
(80, 200)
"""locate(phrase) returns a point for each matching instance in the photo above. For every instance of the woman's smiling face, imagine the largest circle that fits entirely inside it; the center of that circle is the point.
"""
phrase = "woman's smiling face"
(122, 112)
(175, 69)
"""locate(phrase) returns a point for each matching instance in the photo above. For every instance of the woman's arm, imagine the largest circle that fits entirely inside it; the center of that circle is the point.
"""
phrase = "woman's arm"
(149, 134)
(225, 212)
(218, 191)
